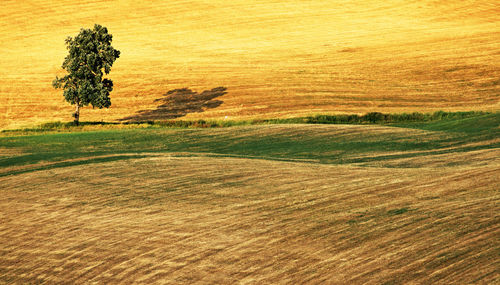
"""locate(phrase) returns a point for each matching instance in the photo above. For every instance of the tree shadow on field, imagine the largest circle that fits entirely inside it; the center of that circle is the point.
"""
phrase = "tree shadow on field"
(180, 102)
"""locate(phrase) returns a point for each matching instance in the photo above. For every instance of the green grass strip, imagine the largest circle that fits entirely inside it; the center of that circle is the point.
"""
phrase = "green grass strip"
(369, 118)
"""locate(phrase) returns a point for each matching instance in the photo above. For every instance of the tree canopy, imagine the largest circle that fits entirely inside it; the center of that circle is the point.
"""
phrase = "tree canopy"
(90, 58)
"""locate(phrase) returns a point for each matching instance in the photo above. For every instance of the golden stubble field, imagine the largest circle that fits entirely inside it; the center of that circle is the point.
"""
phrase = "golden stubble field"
(219, 220)
(276, 58)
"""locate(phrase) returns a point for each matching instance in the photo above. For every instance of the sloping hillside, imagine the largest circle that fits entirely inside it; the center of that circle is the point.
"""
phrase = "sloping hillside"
(230, 220)
(265, 204)
(275, 58)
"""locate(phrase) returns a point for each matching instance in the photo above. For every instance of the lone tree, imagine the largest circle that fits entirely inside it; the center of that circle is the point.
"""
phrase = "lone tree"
(90, 57)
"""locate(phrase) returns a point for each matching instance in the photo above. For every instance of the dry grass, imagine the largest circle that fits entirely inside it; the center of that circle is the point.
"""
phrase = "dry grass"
(276, 58)
(227, 220)
(203, 218)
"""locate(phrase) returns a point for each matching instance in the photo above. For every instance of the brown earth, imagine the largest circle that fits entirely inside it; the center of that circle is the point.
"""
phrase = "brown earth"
(276, 58)
(171, 219)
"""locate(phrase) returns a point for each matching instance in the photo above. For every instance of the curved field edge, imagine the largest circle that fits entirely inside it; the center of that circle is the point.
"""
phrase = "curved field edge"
(226, 220)
(368, 118)
(330, 144)
(350, 204)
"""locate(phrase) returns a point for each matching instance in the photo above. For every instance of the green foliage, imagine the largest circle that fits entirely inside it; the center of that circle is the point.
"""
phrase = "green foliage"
(448, 121)
(453, 135)
(90, 57)
(369, 118)
(460, 122)
(381, 118)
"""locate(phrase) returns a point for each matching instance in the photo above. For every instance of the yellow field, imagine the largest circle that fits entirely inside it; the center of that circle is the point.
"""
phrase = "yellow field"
(429, 216)
(232, 220)
(276, 58)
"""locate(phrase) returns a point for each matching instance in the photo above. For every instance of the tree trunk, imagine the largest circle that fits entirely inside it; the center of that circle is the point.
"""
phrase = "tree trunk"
(77, 114)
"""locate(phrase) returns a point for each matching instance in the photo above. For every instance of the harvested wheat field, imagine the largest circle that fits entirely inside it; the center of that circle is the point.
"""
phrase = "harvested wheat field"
(265, 204)
(228, 220)
(261, 142)
(275, 58)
